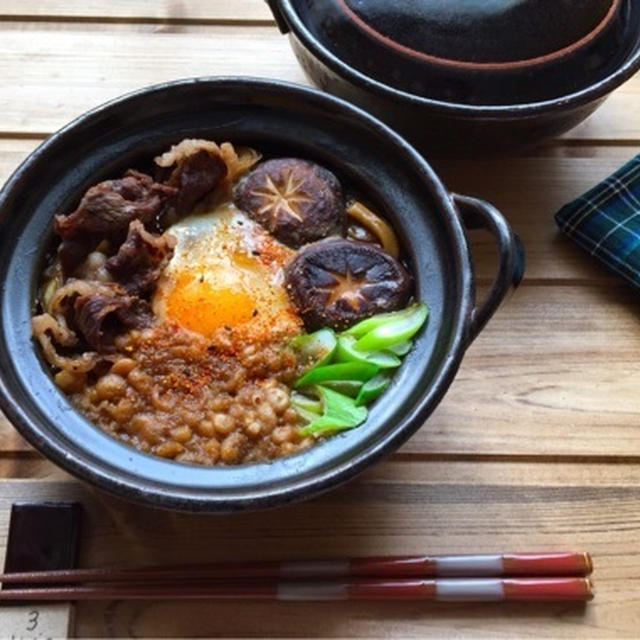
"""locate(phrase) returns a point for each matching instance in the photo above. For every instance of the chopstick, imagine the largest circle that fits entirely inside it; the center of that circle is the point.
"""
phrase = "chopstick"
(485, 578)
(487, 565)
(443, 590)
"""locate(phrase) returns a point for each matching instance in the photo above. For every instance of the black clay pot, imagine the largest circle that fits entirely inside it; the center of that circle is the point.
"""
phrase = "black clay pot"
(280, 119)
(458, 74)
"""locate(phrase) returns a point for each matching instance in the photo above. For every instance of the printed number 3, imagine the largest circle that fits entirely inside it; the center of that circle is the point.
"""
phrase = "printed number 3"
(33, 620)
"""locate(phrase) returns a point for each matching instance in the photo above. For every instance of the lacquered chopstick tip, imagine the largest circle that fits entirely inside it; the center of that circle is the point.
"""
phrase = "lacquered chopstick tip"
(549, 589)
(590, 591)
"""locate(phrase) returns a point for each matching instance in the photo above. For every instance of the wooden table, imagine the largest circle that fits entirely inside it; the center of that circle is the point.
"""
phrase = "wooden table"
(536, 446)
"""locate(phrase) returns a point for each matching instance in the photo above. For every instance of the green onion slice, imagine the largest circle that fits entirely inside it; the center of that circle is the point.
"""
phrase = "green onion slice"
(317, 348)
(366, 325)
(361, 371)
(390, 331)
(300, 401)
(339, 413)
(349, 388)
(401, 349)
(372, 389)
(346, 352)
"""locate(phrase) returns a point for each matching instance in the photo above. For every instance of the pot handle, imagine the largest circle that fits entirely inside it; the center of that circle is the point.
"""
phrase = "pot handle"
(277, 15)
(478, 214)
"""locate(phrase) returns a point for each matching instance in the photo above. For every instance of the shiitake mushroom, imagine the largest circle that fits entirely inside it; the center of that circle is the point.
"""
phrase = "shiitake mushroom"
(336, 282)
(297, 201)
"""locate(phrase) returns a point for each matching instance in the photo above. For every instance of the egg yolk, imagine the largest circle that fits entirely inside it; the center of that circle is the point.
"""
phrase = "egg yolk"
(225, 281)
(196, 305)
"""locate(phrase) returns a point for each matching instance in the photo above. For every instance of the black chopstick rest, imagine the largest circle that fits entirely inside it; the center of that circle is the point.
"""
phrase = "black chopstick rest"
(42, 536)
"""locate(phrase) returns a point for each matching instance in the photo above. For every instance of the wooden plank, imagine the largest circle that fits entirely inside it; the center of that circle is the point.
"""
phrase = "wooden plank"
(10, 440)
(554, 371)
(200, 10)
(49, 76)
(617, 119)
(29, 464)
(394, 508)
(12, 153)
(528, 190)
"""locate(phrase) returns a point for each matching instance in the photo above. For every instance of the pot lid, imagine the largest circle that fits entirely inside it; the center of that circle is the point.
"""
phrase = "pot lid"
(485, 32)
(476, 51)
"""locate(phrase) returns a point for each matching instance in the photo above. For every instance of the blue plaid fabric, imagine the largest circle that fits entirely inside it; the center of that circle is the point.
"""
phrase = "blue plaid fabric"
(606, 221)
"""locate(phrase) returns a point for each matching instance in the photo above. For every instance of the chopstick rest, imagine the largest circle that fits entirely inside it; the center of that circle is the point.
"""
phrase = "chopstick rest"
(606, 221)
(43, 537)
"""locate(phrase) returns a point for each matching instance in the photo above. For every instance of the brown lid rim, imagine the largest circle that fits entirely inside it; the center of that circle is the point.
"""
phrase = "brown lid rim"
(482, 66)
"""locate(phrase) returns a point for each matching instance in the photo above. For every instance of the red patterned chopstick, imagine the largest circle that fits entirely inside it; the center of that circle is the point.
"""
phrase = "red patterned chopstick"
(442, 590)
(488, 565)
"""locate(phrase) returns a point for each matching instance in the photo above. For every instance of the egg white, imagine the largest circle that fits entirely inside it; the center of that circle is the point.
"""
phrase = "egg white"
(226, 279)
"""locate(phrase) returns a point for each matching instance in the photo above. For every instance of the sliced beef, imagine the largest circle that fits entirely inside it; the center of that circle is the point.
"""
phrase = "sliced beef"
(141, 259)
(105, 313)
(104, 213)
(73, 251)
(54, 336)
(193, 167)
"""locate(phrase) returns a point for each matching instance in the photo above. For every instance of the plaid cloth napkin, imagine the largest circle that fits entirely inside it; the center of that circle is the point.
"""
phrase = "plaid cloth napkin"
(606, 221)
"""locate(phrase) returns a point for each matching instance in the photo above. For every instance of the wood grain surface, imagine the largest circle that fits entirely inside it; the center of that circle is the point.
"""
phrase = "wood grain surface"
(217, 11)
(535, 446)
(106, 60)
(403, 507)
